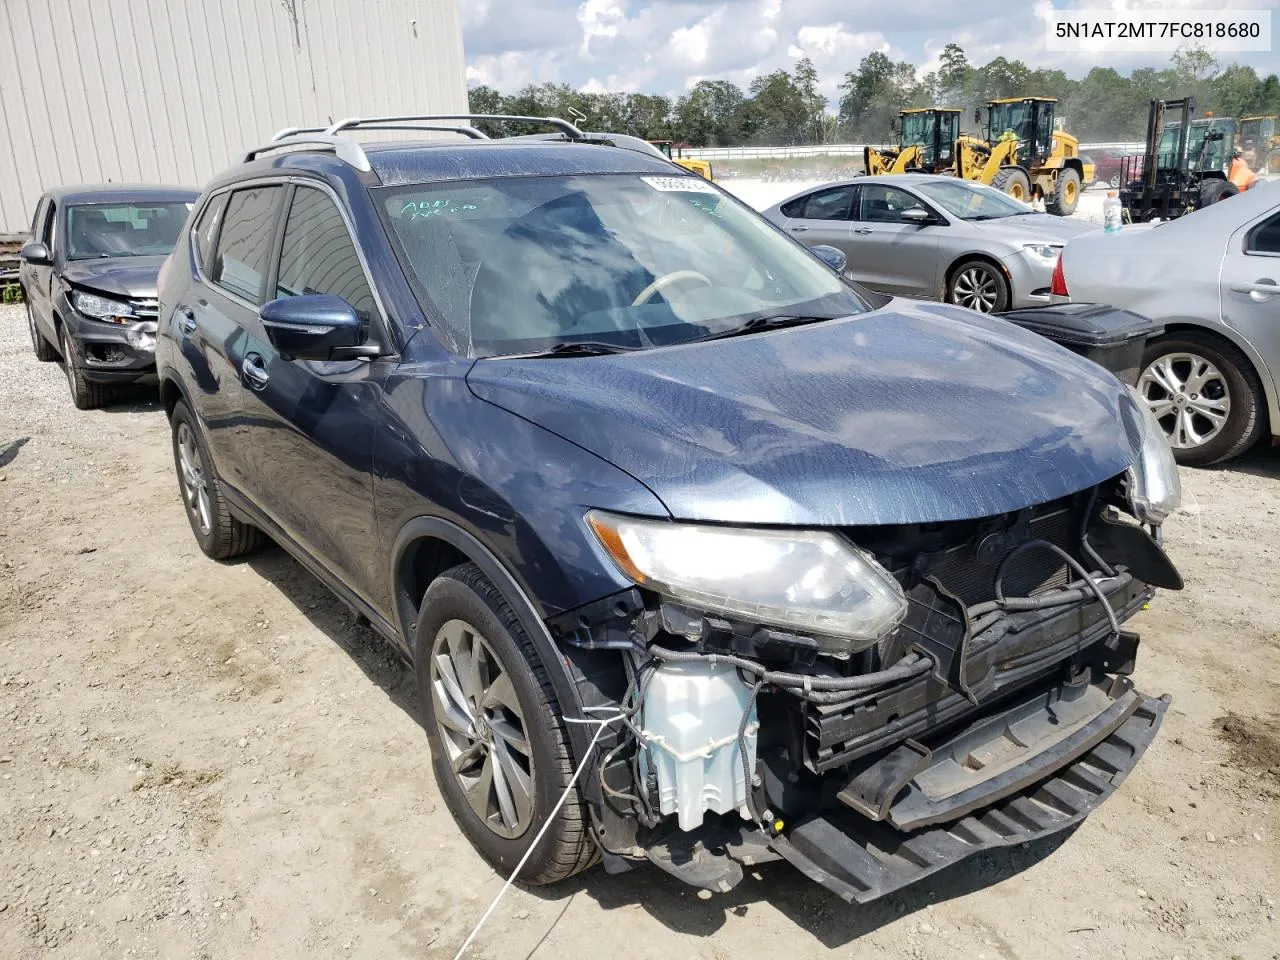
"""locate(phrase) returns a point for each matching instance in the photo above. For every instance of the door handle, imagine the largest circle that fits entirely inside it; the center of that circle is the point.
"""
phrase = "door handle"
(862, 230)
(255, 373)
(187, 319)
(799, 229)
(1263, 289)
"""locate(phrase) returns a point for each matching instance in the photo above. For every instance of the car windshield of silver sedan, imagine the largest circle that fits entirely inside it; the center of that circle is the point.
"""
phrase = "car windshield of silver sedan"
(577, 265)
(973, 201)
(99, 230)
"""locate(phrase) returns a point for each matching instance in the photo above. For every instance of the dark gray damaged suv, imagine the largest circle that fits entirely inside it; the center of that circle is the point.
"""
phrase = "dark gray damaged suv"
(88, 276)
(675, 523)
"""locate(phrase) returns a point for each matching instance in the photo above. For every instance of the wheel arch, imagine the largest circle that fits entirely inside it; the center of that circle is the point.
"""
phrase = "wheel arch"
(961, 259)
(170, 393)
(1233, 338)
(428, 546)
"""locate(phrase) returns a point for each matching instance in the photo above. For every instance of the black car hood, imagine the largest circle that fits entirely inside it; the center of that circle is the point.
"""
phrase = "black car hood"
(911, 414)
(123, 276)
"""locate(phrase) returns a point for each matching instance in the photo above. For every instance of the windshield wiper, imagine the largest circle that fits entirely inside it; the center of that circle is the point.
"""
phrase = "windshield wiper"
(582, 348)
(756, 324)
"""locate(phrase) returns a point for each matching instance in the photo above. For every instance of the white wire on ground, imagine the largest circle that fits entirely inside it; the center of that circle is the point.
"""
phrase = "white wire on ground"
(586, 755)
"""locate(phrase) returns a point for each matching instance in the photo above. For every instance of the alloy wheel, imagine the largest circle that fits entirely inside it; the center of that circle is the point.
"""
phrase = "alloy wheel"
(31, 326)
(482, 728)
(195, 485)
(1189, 397)
(1114, 182)
(976, 289)
(68, 361)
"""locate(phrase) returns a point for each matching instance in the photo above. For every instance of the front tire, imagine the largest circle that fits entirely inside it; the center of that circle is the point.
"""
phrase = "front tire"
(1114, 182)
(219, 534)
(499, 747)
(1066, 193)
(1015, 182)
(1215, 191)
(85, 394)
(978, 285)
(1205, 394)
(44, 350)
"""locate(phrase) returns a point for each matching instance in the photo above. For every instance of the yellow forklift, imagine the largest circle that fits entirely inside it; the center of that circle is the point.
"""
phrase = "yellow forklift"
(1260, 143)
(1025, 154)
(926, 143)
(701, 167)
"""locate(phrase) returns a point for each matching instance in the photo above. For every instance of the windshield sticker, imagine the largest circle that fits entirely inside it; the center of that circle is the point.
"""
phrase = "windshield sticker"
(680, 184)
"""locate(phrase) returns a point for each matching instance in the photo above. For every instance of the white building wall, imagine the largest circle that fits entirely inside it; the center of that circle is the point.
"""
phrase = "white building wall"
(167, 91)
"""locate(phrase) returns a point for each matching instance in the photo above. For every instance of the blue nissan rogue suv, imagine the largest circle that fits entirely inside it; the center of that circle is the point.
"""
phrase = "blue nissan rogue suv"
(702, 555)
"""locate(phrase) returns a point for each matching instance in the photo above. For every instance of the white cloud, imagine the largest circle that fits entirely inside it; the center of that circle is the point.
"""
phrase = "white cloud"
(665, 46)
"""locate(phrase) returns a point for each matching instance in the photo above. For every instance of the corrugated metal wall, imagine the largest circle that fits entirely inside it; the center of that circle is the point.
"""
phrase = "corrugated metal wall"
(168, 90)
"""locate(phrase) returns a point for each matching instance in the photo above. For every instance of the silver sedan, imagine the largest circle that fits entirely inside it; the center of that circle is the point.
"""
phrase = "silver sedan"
(933, 237)
(1213, 279)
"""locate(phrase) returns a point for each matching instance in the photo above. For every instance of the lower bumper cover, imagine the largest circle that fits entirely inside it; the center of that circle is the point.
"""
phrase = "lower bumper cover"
(860, 859)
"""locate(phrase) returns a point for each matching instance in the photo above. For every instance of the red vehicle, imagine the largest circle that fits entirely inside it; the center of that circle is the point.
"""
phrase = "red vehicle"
(1107, 164)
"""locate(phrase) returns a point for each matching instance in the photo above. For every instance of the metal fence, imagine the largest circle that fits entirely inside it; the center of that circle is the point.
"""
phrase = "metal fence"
(833, 150)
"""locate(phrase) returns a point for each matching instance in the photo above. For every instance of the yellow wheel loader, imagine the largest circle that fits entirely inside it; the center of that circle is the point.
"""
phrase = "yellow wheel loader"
(700, 167)
(926, 143)
(1025, 155)
(1260, 143)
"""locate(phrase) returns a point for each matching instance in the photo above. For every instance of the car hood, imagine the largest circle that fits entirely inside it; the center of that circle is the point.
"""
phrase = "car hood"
(1036, 228)
(910, 414)
(123, 276)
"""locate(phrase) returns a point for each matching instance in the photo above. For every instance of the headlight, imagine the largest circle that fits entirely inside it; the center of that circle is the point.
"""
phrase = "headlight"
(1154, 488)
(1044, 251)
(809, 581)
(101, 308)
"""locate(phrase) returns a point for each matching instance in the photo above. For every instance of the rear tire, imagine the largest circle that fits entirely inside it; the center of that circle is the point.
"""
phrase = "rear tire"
(502, 717)
(220, 535)
(44, 350)
(85, 394)
(1188, 378)
(1114, 182)
(1066, 194)
(978, 285)
(1015, 182)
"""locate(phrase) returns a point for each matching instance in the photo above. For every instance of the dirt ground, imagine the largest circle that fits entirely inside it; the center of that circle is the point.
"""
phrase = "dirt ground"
(215, 761)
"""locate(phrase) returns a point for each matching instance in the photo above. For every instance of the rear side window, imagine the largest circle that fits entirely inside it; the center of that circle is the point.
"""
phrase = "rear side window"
(1265, 237)
(833, 204)
(318, 255)
(244, 243)
(206, 230)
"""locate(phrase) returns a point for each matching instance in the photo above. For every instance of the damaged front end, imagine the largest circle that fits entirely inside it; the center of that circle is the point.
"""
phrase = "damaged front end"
(899, 698)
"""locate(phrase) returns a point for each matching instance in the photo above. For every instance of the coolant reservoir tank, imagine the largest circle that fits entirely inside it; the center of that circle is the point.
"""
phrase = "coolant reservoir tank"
(692, 712)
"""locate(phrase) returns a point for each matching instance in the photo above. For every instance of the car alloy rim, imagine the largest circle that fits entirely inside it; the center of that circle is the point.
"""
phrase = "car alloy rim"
(1115, 181)
(68, 362)
(976, 289)
(1189, 396)
(482, 728)
(195, 485)
(31, 325)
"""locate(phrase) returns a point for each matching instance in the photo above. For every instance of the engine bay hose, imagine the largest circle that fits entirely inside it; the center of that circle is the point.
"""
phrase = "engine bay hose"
(1071, 561)
(912, 665)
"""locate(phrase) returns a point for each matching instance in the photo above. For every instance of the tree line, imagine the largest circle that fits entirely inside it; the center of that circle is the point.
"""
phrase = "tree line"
(784, 108)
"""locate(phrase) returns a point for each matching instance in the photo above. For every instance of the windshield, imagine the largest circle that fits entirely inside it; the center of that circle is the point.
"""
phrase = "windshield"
(124, 229)
(971, 201)
(917, 129)
(1010, 118)
(523, 264)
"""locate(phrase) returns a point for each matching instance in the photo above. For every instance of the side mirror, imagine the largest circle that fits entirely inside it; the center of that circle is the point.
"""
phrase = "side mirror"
(35, 252)
(315, 327)
(833, 257)
(917, 215)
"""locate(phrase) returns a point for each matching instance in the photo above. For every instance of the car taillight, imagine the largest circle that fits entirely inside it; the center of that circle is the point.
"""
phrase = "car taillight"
(1058, 285)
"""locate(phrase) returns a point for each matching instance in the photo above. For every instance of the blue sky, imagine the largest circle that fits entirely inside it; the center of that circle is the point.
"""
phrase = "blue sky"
(664, 46)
